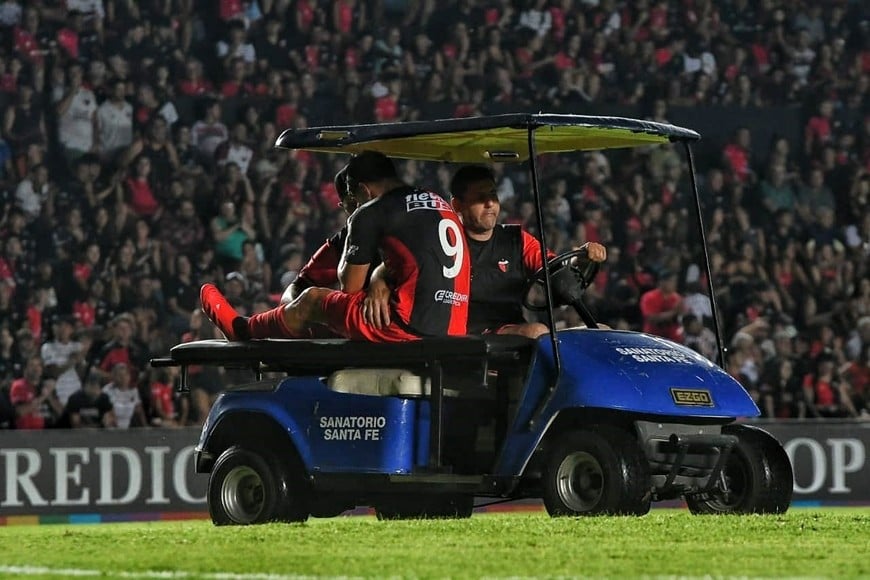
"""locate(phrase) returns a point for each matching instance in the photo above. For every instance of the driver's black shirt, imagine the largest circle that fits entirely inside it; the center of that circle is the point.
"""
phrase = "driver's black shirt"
(500, 267)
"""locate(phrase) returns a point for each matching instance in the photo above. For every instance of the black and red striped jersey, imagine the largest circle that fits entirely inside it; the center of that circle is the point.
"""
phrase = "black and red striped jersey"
(322, 269)
(420, 239)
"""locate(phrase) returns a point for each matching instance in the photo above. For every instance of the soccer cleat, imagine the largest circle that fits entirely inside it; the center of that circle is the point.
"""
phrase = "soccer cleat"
(221, 312)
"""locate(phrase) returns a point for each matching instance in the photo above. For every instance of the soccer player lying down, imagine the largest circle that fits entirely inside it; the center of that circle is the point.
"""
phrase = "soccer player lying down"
(425, 257)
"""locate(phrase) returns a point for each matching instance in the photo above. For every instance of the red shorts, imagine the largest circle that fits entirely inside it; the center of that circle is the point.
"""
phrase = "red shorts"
(344, 316)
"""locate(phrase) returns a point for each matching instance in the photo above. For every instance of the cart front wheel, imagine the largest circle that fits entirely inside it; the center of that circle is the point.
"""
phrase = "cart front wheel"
(599, 470)
(757, 479)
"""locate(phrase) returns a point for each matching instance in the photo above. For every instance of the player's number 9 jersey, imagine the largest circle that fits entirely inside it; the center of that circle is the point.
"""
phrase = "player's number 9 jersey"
(422, 244)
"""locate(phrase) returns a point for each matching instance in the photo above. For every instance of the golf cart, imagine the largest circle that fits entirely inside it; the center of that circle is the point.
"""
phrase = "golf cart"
(591, 420)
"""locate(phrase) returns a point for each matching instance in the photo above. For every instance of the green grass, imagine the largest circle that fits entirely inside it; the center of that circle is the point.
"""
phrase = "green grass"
(833, 543)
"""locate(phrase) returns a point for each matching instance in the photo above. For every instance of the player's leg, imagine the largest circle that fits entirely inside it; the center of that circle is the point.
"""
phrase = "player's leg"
(285, 321)
(342, 313)
(222, 314)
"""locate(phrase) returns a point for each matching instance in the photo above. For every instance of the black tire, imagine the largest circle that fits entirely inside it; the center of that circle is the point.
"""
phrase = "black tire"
(246, 487)
(296, 494)
(758, 473)
(414, 507)
(594, 471)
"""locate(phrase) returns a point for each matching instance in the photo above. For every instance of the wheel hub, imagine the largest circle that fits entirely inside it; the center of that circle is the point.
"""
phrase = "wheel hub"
(242, 495)
(580, 481)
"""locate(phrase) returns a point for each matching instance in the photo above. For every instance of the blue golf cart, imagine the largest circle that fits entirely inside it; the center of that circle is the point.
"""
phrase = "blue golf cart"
(591, 420)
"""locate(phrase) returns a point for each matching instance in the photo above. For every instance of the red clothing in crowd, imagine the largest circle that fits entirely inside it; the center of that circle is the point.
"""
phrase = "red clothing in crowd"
(26, 44)
(230, 9)
(329, 195)
(858, 376)
(161, 397)
(8, 83)
(826, 396)
(141, 197)
(386, 109)
(557, 16)
(284, 115)
(69, 40)
(85, 313)
(193, 88)
(305, 12)
(563, 61)
(352, 58)
(21, 393)
(655, 302)
(236, 89)
(34, 322)
(738, 158)
(345, 17)
(818, 129)
(82, 272)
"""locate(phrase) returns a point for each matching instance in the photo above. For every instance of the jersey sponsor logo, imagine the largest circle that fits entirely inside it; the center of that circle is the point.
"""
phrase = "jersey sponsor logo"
(503, 265)
(450, 297)
(425, 200)
(692, 397)
(352, 250)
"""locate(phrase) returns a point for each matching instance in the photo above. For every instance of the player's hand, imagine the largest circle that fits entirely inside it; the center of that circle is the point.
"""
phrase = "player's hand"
(376, 306)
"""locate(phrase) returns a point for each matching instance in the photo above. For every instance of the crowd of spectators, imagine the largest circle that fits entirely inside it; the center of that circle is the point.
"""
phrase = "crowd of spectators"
(136, 163)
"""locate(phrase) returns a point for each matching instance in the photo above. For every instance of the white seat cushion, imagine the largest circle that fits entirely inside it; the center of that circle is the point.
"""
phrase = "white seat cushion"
(380, 382)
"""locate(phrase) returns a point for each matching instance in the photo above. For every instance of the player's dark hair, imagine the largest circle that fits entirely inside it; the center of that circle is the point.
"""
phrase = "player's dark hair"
(369, 167)
(340, 182)
(467, 175)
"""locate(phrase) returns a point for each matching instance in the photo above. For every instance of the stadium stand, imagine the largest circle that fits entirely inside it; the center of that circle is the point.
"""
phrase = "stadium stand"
(136, 164)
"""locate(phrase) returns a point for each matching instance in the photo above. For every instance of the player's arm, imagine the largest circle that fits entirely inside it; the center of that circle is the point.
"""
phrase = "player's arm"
(353, 277)
(321, 270)
(360, 249)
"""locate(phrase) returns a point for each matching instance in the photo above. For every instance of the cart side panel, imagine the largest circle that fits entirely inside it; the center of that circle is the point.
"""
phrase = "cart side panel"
(332, 432)
(625, 371)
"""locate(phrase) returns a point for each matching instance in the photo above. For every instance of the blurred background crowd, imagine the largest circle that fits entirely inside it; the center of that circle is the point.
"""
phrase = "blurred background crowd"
(137, 162)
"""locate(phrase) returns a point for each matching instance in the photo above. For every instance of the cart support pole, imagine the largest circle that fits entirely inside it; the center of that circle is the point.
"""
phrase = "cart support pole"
(720, 342)
(536, 193)
(436, 415)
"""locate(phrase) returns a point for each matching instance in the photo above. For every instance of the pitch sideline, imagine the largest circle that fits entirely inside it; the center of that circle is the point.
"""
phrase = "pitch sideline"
(171, 575)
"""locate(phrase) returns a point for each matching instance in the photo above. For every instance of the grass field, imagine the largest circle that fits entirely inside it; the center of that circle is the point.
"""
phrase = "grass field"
(833, 543)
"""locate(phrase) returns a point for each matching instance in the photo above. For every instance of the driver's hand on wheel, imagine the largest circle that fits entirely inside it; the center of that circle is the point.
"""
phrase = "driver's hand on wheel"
(376, 305)
(596, 252)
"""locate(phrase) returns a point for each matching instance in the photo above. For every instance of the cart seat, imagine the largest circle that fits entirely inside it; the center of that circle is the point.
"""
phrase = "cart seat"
(382, 382)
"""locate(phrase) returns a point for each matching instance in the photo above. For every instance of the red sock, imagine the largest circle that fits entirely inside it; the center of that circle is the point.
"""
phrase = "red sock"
(270, 324)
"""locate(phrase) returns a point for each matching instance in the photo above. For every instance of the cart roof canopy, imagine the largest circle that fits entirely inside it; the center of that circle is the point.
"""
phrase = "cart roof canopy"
(486, 139)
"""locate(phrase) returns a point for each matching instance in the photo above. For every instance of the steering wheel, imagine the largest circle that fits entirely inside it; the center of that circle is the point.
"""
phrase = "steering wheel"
(584, 273)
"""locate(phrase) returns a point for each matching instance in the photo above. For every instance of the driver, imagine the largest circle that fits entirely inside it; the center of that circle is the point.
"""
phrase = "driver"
(503, 258)
(425, 256)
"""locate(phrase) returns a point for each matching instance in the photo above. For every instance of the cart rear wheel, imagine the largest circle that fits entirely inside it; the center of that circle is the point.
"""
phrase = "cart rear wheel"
(247, 487)
(599, 470)
(758, 477)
